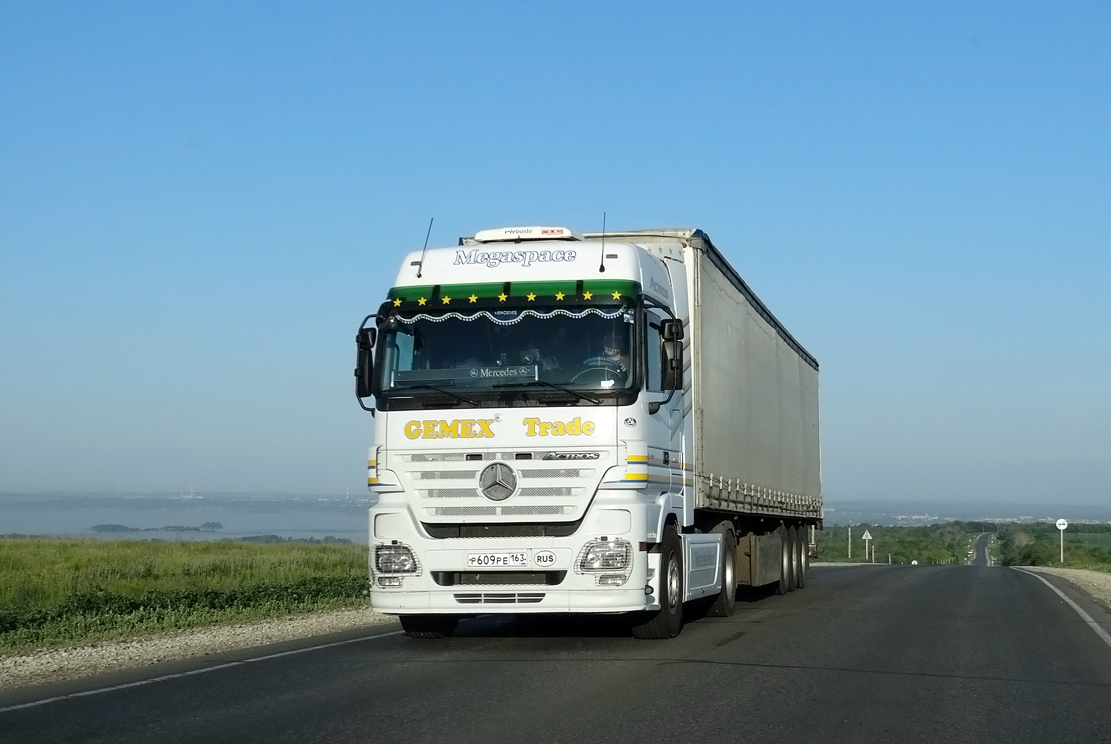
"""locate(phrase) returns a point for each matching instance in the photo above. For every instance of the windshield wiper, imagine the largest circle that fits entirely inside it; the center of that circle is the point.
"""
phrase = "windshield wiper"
(553, 386)
(448, 393)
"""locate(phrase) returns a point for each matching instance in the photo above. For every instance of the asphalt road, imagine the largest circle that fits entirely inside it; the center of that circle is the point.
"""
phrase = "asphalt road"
(863, 654)
(980, 550)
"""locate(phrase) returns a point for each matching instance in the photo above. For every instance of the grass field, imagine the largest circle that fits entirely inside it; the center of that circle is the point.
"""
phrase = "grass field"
(60, 592)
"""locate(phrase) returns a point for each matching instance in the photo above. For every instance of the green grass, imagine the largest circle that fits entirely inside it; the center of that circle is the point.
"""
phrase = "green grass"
(61, 592)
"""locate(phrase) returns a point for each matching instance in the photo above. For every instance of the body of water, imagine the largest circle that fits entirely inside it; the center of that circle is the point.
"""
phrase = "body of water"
(239, 516)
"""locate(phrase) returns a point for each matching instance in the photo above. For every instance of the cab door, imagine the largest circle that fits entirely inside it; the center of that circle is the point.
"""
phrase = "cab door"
(663, 432)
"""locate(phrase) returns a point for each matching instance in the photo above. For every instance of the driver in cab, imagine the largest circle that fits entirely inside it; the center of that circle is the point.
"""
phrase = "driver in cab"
(613, 366)
(614, 353)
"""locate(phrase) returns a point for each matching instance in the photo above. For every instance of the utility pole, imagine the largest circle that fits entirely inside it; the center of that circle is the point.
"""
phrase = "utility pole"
(850, 543)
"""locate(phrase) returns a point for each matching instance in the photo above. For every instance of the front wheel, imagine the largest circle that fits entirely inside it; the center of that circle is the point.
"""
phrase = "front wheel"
(667, 621)
(429, 626)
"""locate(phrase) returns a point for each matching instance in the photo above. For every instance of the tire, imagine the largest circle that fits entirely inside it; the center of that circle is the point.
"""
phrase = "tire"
(793, 542)
(800, 566)
(802, 551)
(726, 601)
(667, 621)
(427, 627)
(786, 581)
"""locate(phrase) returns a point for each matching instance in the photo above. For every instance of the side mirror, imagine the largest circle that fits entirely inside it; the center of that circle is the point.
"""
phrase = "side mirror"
(671, 330)
(673, 365)
(364, 361)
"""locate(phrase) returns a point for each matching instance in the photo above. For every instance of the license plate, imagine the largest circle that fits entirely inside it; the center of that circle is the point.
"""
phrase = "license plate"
(502, 559)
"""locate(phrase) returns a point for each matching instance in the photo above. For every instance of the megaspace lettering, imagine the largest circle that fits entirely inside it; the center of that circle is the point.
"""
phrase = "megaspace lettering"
(492, 259)
(574, 428)
(456, 429)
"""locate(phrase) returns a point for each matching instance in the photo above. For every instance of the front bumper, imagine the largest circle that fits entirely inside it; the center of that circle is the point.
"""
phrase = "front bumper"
(575, 592)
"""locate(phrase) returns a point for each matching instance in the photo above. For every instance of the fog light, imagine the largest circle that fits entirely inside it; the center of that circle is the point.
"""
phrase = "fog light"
(395, 558)
(605, 555)
(611, 579)
(390, 581)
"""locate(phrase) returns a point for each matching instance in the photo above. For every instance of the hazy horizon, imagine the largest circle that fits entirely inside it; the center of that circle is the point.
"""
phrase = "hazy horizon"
(201, 203)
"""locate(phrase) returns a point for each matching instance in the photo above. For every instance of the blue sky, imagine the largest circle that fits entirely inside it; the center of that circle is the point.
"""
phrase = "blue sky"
(199, 202)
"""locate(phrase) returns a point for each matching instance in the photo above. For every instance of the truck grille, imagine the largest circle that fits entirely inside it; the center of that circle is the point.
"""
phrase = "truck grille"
(488, 578)
(505, 511)
(557, 473)
(445, 474)
(466, 511)
(463, 493)
(500, 598)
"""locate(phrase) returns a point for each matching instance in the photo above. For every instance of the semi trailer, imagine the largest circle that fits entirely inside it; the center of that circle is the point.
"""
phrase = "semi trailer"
(583, 423)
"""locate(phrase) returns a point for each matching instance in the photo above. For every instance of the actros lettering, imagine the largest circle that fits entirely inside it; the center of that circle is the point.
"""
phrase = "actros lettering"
(574, 428)
(457, 429)
(493, 259)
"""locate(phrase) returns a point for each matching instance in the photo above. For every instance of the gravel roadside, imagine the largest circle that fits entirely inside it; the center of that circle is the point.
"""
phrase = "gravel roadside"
(1095, 583)
(84, 661)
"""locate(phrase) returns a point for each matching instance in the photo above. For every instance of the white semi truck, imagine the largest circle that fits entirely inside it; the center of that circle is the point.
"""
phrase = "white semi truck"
(572, 423)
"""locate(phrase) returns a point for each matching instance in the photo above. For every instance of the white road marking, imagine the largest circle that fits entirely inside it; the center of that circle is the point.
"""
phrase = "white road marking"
(228, 665)
(1079, 610)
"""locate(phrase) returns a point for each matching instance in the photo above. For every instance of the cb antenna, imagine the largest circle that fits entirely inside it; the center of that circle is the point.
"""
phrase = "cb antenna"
(420, 264)
(602, 258)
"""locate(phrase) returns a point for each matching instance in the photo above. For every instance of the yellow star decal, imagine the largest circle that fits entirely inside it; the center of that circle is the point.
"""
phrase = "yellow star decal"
(447, 300)
(530, 296)
(559, 295)
(397, 303)
(587, 295)
(617, 295)
(503, 297)
(422, 301)
(473, 298)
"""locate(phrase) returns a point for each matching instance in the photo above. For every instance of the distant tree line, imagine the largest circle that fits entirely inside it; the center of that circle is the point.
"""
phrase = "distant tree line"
(1016, 544)
(1038, 544)
(206, 527)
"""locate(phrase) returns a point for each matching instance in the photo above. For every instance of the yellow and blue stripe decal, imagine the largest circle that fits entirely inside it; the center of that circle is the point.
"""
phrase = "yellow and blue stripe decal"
(637, 468)
(371, 467)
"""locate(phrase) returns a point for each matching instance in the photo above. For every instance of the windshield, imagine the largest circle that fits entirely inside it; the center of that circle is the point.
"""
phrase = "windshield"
(586, 349)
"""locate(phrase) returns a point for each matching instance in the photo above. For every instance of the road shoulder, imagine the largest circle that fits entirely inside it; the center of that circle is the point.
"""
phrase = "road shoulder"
(56, 665)
(1096, 584)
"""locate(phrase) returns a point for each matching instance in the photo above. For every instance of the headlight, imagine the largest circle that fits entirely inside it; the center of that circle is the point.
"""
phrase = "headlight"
(395, 559)
(606, 555)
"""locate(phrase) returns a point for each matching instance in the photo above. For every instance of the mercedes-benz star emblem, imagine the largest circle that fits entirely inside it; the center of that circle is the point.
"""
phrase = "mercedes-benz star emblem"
(498, 481)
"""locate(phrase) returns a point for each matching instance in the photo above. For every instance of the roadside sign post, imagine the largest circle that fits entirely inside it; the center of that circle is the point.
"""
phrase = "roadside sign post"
(850, 543)
(868, 556)
(1062, 525)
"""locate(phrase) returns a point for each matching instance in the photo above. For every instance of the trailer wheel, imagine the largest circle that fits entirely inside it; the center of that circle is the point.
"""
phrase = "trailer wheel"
(726, 601)
(786, 583)
(667, 621)
(429, 626)
(793, 553)
(800, 556)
